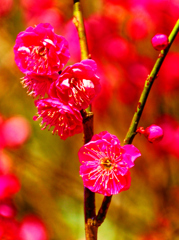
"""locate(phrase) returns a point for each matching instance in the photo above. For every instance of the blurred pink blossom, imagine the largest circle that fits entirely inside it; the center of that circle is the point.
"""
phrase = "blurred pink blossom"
(9, 185)
(7, 208)
(170, 141)
(105, 164)
(15, 131)
(9, 229)
(32, 228)
(102, 101)
(169, 80)
(124, 89)
(163, 13)
(116, 48)
(139, 25)
(100, 31)
(5, 163)
(71, 34)
(138, 72)
(50, 15)
(137, 29)
(6, 7)
(32, 6)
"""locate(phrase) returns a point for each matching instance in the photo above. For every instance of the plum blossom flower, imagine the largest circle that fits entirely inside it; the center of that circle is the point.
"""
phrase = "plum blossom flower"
(39, 50)
(78, 84)
(38, 85)
(66, 120)
(105, 164)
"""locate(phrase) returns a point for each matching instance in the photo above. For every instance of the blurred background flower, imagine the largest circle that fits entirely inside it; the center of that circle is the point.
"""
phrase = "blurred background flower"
(119, 36)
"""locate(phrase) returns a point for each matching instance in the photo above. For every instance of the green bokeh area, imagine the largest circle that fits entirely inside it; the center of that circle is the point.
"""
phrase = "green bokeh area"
(48, 167)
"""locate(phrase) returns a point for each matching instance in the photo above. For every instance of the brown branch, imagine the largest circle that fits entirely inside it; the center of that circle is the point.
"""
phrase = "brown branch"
(89, 197)
(103, 210)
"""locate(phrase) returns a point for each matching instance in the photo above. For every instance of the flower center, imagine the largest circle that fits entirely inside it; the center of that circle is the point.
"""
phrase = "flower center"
(42, 51)
(73, 82)
(106, 163)
(39, 50)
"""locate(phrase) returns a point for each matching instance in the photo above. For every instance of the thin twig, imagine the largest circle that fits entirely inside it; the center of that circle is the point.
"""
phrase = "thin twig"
(78, 21)
(148, 84)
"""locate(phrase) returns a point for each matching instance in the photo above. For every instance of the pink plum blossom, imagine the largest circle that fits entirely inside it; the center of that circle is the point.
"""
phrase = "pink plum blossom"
(67, 121)
(39, 50)
(160, 42)
(105, 164)
(78, 84)
(38, 85)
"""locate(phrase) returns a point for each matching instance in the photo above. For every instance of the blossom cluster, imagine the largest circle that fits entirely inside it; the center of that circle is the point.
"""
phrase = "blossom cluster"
(41, 55)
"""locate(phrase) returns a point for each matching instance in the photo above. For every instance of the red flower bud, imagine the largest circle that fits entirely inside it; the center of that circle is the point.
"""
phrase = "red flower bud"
(153, 133)
(160, 42)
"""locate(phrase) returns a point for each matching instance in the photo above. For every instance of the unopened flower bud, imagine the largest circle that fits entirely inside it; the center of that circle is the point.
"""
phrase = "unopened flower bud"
(153, 133)
(160, 42)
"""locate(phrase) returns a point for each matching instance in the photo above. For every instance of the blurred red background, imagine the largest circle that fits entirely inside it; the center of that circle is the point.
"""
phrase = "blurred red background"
(119, 37)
